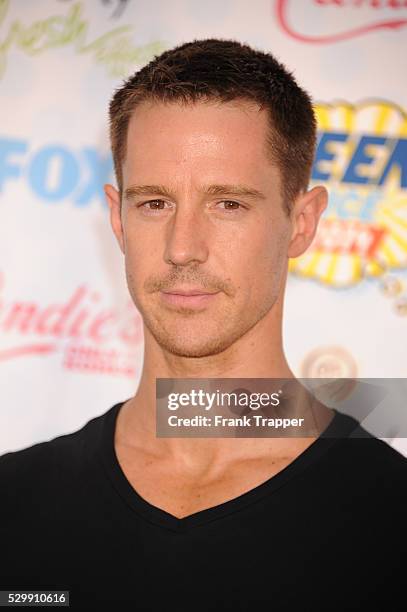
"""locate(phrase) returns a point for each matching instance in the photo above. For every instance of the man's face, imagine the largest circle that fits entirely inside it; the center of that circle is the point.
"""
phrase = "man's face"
(232, 245)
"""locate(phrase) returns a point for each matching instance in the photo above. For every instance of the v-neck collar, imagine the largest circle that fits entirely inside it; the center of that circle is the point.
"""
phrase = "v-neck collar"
(340, 426)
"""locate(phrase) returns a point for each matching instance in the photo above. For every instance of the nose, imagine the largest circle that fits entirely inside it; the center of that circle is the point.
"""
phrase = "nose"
(186, 238)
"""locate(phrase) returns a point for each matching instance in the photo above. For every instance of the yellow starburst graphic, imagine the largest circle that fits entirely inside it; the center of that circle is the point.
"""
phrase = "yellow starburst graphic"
(362, 160)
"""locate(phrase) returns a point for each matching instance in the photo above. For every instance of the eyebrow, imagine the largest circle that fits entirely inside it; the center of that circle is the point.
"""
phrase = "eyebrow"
(216, 190)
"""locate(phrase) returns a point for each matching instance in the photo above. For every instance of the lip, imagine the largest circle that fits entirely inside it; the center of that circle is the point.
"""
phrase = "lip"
(189, 298)
(189, 291)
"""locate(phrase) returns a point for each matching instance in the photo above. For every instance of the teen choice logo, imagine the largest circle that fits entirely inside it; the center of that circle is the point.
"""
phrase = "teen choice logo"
(361, 158)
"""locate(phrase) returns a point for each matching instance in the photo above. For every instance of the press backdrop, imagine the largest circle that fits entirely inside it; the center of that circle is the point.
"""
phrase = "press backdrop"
(70, 338)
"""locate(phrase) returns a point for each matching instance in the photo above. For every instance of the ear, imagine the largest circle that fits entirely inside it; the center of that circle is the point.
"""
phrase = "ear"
(113, 200)
(305, 215)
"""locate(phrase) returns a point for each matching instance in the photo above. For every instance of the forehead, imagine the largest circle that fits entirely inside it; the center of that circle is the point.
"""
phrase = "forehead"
(204, 135)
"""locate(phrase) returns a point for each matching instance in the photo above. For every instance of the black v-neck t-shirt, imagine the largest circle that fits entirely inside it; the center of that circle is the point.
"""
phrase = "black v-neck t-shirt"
(327, 532)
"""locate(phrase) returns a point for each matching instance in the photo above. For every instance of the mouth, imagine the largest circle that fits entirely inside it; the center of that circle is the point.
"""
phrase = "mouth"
(188, 299)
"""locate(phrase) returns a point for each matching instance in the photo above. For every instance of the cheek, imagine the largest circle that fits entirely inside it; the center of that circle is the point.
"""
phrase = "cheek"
(141, 248)
(264, 262)
(248, 265)
(139, 262)
(263, 250)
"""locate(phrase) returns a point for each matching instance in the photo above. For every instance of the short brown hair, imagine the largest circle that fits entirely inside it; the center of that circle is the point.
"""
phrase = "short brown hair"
(225, 70)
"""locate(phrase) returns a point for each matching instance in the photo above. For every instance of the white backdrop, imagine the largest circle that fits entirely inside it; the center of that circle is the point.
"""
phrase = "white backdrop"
(70, 338)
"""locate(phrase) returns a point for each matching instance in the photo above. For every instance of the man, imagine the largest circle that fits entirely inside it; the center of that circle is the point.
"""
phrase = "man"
(213, 144)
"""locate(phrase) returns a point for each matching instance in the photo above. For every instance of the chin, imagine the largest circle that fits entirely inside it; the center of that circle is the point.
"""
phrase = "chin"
(191, 349)
(200, 345)
(194, 337)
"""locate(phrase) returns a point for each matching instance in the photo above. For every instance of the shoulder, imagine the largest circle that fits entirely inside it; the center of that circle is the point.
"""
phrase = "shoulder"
(39, 457)
(49, 461)
(54, 478)
(376, 455)
(367, 466)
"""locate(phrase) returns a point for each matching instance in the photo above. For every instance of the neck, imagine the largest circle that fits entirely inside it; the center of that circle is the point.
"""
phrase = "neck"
(249, 357)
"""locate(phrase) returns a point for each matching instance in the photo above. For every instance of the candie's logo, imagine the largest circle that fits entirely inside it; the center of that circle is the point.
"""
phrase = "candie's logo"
(332, 21)
(362, 159)
(87, 336)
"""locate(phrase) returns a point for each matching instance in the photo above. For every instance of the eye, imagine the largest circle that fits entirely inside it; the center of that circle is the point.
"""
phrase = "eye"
(237, 205)
(156, 206)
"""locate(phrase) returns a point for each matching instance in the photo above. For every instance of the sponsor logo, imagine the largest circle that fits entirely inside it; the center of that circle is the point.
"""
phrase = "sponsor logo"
(115, 48)
(328, 362)
(87, 336)
(336, 368)
(361, 157)
(55, 172)
(333, 21)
